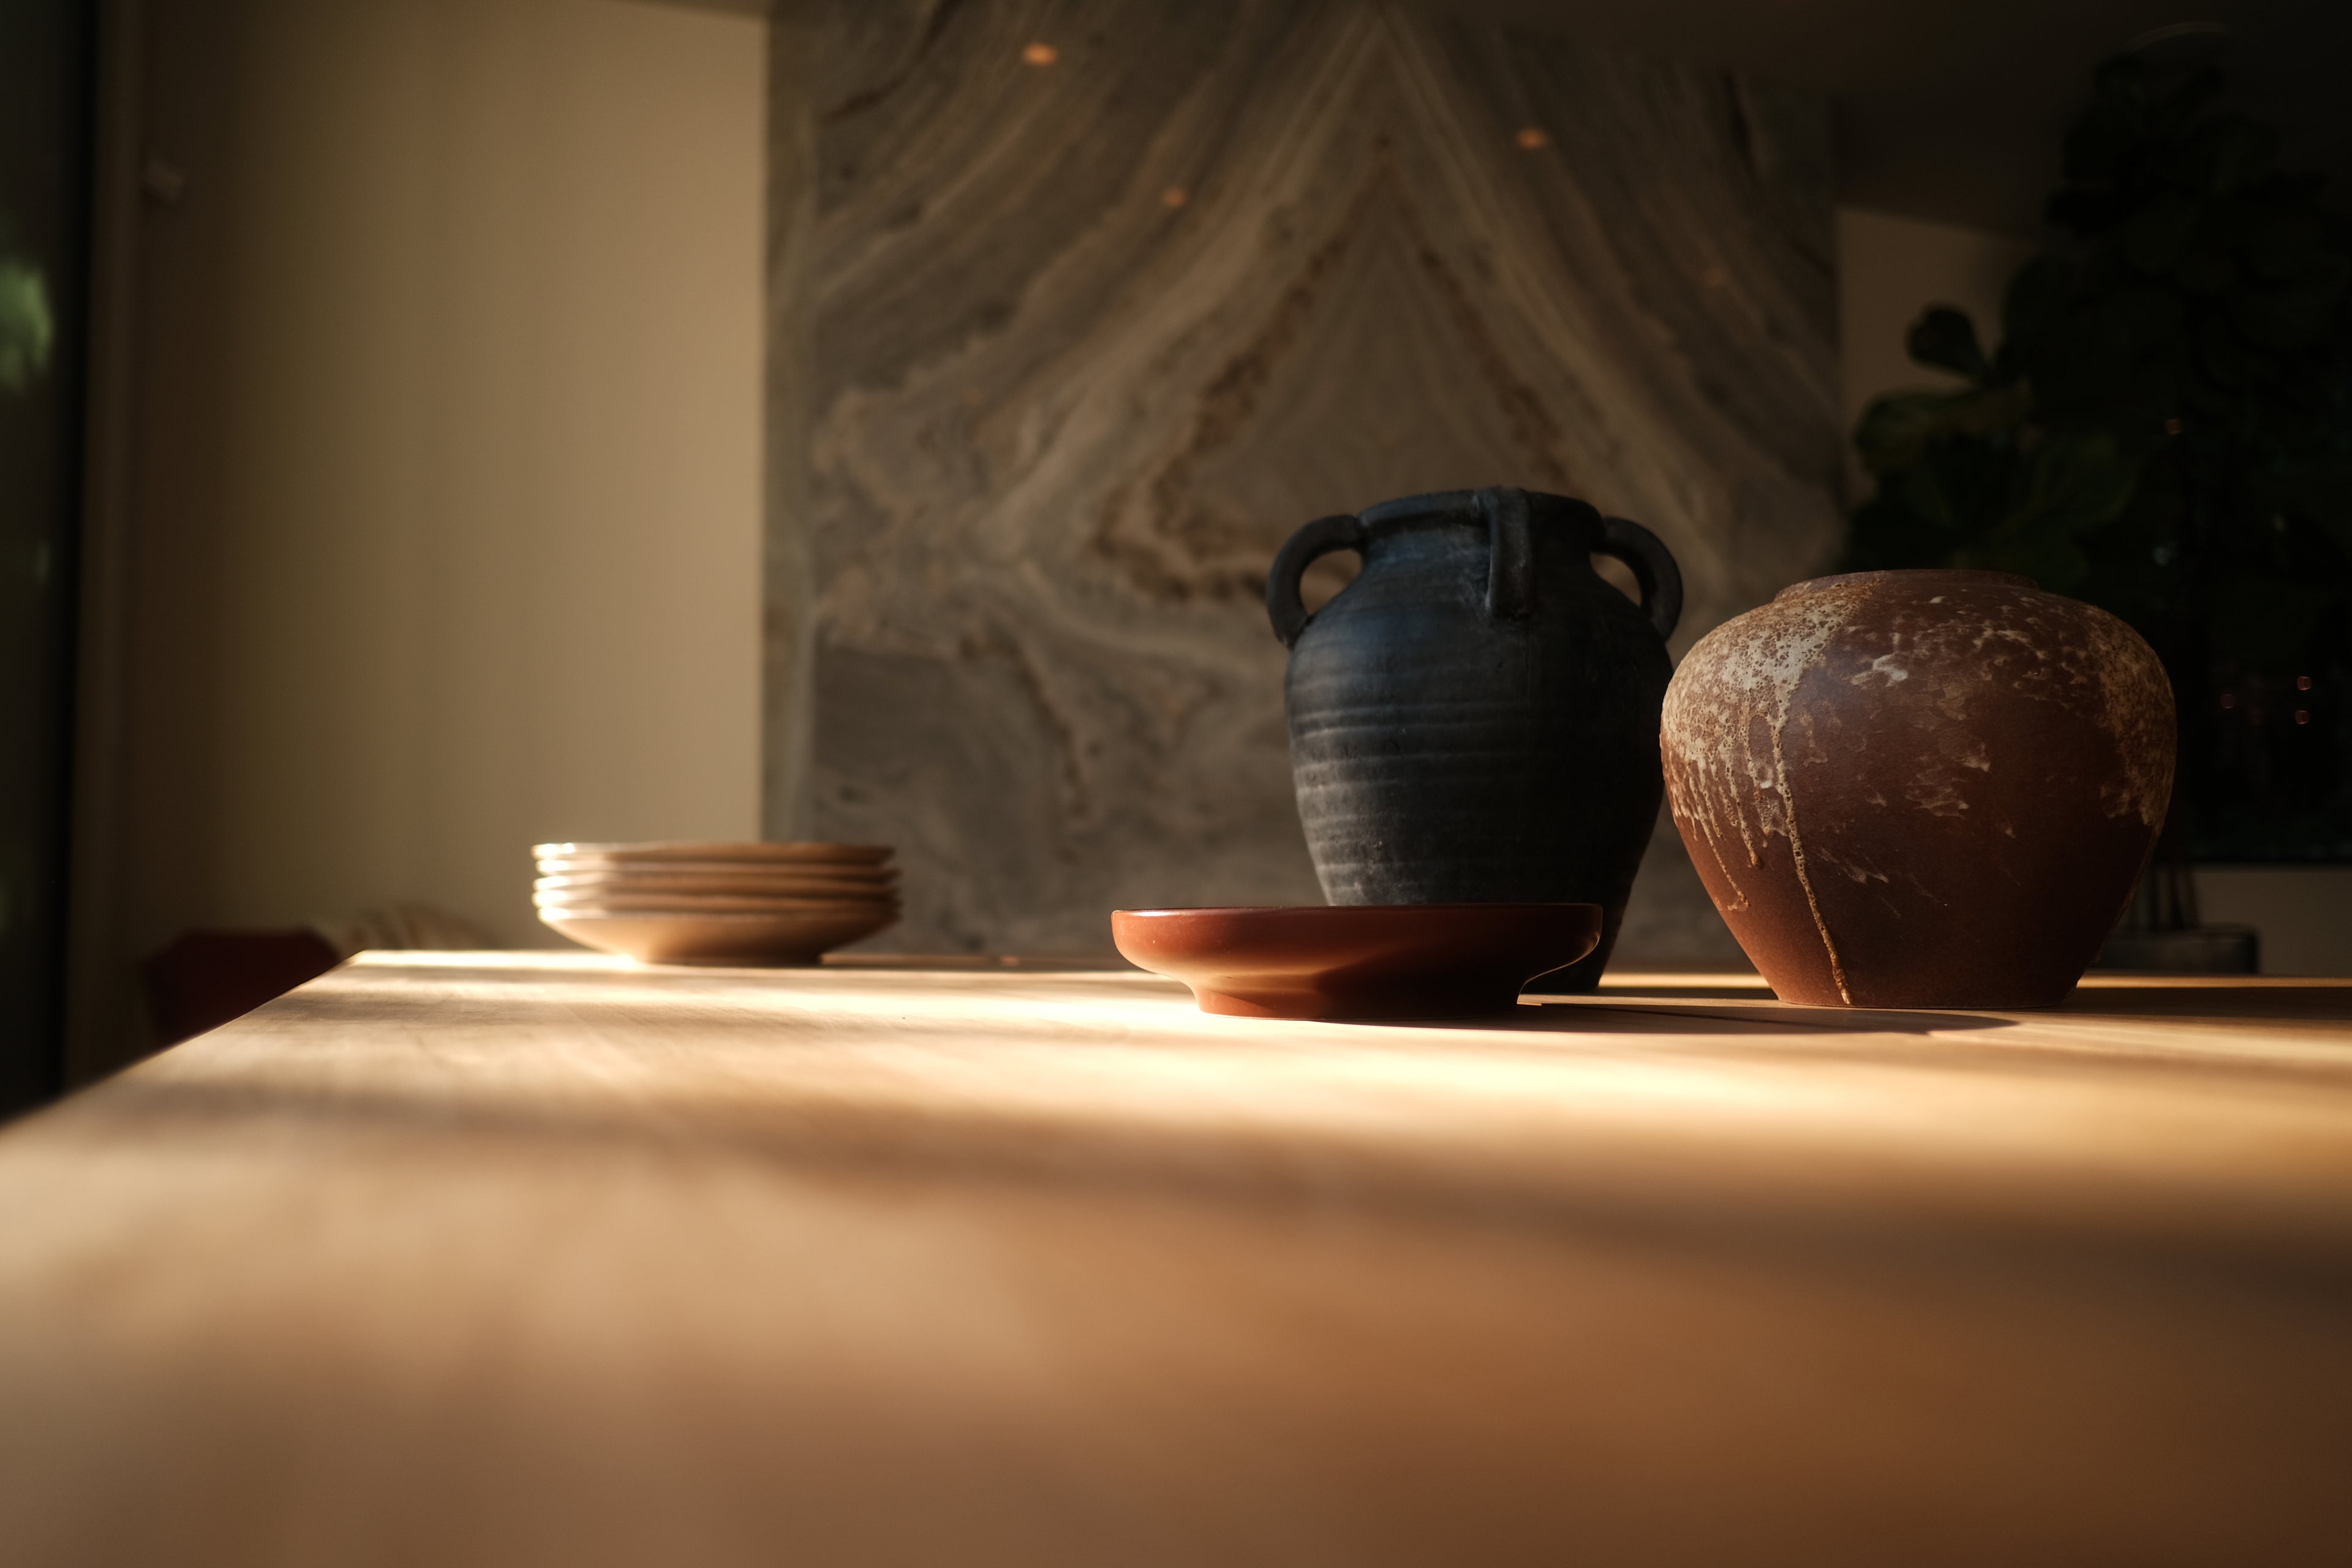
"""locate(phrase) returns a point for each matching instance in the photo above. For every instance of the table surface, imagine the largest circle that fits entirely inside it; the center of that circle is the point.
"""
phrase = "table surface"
(520, 1258)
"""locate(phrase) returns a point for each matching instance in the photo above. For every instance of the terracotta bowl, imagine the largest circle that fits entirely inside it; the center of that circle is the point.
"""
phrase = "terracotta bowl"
(1358, 962)
(745, 940)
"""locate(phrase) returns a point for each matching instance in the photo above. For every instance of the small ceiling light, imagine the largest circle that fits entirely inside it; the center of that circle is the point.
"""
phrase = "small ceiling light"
(1533, 139)
(2303, 715)
(2303, 683)
(1174, 196)
(1041, 54)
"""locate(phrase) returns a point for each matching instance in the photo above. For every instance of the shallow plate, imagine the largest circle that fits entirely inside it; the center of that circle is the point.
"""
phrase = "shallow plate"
(1368, 960)
(726, 854)
(747, 939)
(753, 884)
(556, 865)
(717, 904)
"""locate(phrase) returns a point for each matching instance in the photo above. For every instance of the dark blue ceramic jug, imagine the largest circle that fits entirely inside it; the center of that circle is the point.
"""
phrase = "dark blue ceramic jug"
(1475, 719)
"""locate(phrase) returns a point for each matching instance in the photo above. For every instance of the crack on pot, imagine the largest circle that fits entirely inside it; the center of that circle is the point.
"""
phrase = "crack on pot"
(1737, 690)
(1797, 852)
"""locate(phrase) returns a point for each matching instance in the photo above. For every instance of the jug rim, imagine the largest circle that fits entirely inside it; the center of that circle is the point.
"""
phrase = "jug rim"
(1437, 508)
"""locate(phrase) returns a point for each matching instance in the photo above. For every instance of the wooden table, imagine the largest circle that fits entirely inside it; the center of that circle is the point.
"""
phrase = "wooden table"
(523, 1258)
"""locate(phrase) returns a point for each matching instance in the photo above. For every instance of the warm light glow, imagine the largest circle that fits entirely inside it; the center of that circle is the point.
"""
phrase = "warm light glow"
(1533, 139)
(1041, 54)
(2303, 715)
(2303, 683)
(1174, 196)
(2228, 701)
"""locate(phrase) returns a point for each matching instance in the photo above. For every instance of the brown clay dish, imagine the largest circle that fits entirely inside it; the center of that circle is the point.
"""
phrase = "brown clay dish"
(559, 866)
(1358, 962)
(687, 901)
(756, 884)
(597, 866)
(720, 854)
(712, 904)
(746, 940)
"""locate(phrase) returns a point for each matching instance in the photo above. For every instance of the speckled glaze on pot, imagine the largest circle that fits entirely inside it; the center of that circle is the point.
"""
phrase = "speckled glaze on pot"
(1920, 789)
(1475, 719)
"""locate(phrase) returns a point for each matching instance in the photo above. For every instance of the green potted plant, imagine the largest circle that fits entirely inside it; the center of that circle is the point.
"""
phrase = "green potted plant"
(2164, 430)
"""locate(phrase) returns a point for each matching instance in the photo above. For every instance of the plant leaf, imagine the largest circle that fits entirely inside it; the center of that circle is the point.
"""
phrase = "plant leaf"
(1944, 338)
(28, 329)
(1896, 428)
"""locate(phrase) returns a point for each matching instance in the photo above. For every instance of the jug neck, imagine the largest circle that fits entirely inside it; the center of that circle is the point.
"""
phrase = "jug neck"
(1554, 515)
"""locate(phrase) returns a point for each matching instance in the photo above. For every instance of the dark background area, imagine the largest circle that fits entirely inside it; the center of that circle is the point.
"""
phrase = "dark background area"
(45, 62)
(1960, 114)
(1956, 111)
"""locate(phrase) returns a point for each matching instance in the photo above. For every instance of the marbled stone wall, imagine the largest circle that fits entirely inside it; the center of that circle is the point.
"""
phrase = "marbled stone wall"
(1110, 296)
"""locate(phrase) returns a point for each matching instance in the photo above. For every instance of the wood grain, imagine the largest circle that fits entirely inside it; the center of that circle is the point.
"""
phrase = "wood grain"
(520, 1259)
(1092, 338)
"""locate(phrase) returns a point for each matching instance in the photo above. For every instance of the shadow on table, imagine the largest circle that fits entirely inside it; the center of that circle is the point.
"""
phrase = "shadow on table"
(1729, 1012)
(1758, 1011)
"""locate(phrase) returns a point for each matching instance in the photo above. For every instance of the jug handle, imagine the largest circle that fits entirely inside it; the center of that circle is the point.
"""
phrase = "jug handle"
(1309, 545)
(1645, 554)
(1510, 554)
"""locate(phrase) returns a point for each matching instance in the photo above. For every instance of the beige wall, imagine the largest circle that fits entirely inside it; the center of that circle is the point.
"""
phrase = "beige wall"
(445, 511)
(1889, 269)
(492, 467)
(2303, 912)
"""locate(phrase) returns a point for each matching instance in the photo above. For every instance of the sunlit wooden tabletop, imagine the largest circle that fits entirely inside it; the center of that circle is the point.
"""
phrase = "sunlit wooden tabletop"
(530, 1258)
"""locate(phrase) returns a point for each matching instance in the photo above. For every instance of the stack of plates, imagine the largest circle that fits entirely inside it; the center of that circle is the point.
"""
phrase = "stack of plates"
(717, 904)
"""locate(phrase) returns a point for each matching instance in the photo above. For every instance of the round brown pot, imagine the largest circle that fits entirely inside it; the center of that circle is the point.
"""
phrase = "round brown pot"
(1920, 789)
